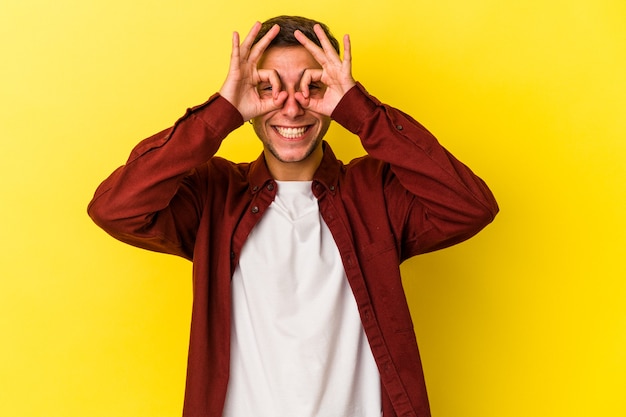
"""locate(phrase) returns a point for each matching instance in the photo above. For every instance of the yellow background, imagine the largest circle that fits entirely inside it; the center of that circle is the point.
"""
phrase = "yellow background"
(526, 319)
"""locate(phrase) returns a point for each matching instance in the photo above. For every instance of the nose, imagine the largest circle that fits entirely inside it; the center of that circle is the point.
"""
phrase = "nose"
(291, 106)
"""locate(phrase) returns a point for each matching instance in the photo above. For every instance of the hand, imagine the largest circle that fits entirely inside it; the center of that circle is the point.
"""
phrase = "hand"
(240, 87)
(336, 74)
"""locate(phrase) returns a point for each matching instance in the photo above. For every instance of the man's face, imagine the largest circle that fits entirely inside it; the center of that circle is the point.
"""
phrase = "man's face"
(291, 136)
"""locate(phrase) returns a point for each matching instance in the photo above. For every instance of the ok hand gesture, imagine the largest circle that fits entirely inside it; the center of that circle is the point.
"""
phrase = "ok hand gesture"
(240, 87)
(335, 75)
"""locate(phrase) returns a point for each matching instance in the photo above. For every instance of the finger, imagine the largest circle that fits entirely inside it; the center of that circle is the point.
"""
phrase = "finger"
(268, 80)
(304, 101)
(247, 42)
(234, 52)
(274, 81)
(309, 76)
(305, 80)
(280, 99)
(347, 49)
(326, 45)
(258, 49)
(309, 45)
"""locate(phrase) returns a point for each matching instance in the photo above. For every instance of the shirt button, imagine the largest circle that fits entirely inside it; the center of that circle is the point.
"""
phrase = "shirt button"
(399, 127)
(332, 188)
(232, 255)
(255, 188)
(255, 209)
(270, 186)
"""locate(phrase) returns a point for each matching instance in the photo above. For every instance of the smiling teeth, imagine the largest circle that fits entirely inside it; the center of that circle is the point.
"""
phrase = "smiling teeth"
(291, 132)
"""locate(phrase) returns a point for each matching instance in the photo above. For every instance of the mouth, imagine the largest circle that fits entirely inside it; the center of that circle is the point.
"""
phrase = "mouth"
(291, 132)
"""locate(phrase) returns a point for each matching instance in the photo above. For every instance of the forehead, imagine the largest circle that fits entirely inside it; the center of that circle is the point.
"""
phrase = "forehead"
(286, 59)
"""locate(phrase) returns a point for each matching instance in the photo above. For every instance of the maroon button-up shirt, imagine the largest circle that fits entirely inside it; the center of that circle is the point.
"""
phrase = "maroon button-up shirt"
(407, 196)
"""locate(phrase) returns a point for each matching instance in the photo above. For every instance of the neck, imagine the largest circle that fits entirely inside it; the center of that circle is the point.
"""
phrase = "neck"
(291, 171)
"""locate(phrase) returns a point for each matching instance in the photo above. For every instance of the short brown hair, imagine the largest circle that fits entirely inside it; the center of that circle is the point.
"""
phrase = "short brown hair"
(288, 25)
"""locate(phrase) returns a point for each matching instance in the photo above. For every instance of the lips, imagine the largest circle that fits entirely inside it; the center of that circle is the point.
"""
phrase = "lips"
(291, 132)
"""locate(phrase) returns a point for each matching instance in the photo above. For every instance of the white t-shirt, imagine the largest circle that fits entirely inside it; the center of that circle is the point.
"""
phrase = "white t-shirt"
(298, 348)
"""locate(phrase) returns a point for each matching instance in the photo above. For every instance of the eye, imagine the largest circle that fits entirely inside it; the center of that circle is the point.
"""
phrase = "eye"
(316, 89)
(264, 89)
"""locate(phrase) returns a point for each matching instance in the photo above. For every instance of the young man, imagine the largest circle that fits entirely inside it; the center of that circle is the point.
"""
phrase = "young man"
(298, 303)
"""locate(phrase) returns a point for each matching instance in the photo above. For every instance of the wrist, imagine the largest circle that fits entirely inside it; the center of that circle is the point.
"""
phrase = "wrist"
(355, 106)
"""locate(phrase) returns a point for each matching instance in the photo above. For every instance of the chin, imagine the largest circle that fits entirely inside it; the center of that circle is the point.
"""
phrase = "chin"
(293, 155)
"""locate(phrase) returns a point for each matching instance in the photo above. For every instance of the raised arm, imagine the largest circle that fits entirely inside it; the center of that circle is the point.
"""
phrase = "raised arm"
(434, 199)
(154, 200)
(448, 203)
